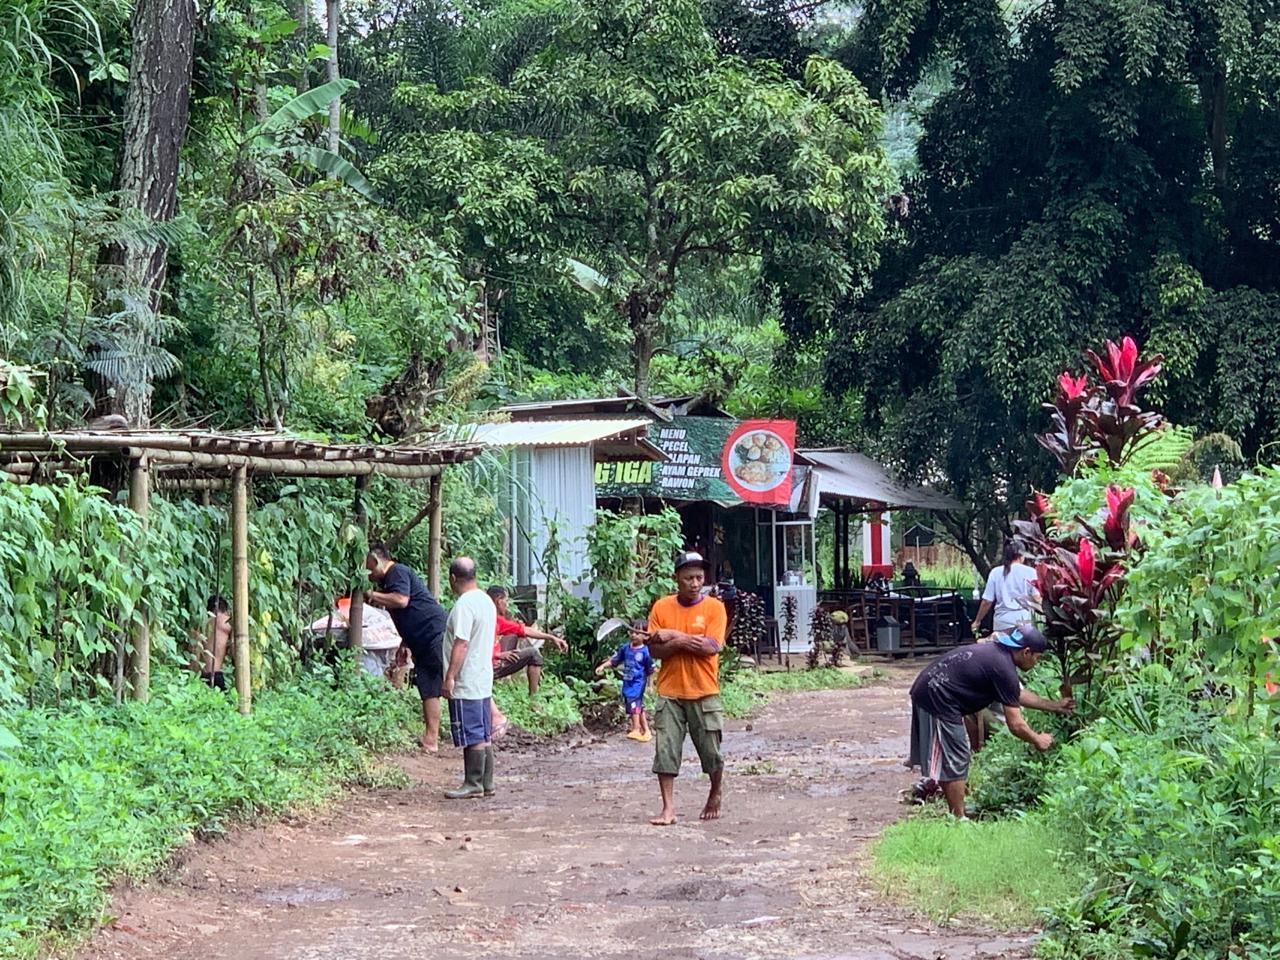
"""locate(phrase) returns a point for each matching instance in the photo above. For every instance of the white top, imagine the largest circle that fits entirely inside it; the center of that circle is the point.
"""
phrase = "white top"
(379, 630)
(473, 619)
(1012, 595)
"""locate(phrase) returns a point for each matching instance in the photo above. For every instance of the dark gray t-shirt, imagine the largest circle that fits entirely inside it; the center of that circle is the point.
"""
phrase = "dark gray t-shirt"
(966, 680)
(421, 623)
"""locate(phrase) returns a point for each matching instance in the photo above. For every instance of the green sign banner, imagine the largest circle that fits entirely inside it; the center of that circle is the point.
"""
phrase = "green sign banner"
(710, 458)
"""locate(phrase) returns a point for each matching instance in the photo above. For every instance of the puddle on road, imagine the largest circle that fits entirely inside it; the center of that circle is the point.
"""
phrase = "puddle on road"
(301, 896)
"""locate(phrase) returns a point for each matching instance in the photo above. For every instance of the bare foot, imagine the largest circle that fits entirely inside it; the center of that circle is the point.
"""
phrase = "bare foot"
(712, 810)
(429, 747)
(665, 819)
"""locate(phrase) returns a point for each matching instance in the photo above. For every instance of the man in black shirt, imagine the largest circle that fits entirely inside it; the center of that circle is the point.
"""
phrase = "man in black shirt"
(965, 681)
(420, 621)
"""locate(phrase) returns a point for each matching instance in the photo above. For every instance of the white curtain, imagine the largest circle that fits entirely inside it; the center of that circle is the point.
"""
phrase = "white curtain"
(558, 491)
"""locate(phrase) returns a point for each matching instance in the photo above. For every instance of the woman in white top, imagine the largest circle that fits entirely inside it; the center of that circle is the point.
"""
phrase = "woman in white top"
(1011, 589)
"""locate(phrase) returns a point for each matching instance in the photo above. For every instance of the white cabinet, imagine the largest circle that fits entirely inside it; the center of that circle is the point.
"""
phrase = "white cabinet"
(806, 601)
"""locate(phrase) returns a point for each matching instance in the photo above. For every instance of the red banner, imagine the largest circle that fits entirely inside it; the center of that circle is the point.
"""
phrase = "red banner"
(757, 460)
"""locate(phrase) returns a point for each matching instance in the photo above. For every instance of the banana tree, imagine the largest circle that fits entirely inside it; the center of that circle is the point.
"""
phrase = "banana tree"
(272, 206)
(277, 137)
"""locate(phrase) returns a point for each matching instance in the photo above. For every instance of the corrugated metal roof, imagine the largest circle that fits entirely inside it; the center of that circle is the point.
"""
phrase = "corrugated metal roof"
(845, 475)
(554, 433)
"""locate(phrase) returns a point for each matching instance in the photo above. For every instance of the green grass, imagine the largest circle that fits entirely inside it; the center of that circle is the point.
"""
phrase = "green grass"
(992, 872)
(749, 690)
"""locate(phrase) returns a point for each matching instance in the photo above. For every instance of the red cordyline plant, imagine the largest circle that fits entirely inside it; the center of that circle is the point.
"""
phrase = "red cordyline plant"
(1078, 573)
(1080, 568)
(1102, 419)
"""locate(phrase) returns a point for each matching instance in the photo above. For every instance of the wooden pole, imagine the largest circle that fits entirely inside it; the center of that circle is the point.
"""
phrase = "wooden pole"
(393, 540)
(434, 537)
(355, 619)
(140, 664)
(240, 586)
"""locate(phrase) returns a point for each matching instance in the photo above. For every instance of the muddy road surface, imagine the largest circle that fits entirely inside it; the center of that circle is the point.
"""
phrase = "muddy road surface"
(563, 864)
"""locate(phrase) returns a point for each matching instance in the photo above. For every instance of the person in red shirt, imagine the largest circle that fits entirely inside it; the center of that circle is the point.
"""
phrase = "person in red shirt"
(509, 662)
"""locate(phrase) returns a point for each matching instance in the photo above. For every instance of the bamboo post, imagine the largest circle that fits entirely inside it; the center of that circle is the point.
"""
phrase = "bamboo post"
(140, 664)
(355, 618)
(394, 540)
(434, 537)
(240, 586)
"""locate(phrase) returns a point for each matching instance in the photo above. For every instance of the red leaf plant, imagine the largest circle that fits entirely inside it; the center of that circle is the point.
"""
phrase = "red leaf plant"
(1079, 573)
(1102, 419)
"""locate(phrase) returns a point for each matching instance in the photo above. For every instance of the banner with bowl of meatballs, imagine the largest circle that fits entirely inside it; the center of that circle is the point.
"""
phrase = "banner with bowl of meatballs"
(710, 458)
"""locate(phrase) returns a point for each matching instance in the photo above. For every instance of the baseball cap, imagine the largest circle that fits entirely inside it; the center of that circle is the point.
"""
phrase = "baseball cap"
(689, 558)
(1024, 636)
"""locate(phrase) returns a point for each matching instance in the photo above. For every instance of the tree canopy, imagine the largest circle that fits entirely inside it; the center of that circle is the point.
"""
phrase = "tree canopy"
(630, 143)
(1086, 170)
(896, 222)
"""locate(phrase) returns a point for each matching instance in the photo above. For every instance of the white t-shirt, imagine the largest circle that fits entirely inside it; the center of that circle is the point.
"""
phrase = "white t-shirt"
(473, 619)
(1011, 595)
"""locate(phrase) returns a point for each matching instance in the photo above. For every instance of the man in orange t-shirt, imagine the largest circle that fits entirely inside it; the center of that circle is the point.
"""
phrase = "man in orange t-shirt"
(686, 634)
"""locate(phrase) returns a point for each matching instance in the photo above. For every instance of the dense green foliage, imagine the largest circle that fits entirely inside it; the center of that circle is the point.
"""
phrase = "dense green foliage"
(630, 559)
(77, 571)
(88, 791)
(1084, 169)
(1163, 792)
(1170, 807)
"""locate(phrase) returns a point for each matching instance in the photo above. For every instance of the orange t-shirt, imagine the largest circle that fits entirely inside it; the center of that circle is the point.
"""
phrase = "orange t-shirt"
(689, 676)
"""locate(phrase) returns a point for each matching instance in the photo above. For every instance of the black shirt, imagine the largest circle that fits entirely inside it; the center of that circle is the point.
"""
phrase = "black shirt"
(966, 680)
(422, 621)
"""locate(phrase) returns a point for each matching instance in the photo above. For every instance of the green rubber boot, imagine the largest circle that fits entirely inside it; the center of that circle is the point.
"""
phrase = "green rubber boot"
(487, 778)
(473, 770)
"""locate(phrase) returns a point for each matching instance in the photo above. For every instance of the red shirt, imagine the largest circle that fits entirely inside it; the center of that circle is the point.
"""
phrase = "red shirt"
(506, 628)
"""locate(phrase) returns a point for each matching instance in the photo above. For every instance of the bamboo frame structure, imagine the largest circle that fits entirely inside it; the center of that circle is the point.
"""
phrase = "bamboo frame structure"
(355, 615)
(201, 461)
(240, 588)
(434, 537)
(140, 661)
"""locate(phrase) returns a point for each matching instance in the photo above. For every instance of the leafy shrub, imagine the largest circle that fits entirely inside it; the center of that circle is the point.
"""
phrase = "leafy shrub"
(1209, 585)
(1173, 809)
(1009, 775)
(75, 569)
(631, 556)
(554, 709)
(92, 792)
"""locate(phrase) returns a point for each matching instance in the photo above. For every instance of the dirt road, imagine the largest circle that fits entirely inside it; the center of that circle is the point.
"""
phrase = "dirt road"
(563, 864)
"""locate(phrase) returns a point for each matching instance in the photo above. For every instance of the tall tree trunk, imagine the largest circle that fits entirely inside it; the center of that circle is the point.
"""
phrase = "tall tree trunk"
(334, 12)
(640, 318)
(155, 122)
(303, 17)
(1214, 94)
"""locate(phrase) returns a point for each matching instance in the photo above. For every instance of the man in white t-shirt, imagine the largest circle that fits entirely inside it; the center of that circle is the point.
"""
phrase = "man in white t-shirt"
(1011, 589)
(468, 678)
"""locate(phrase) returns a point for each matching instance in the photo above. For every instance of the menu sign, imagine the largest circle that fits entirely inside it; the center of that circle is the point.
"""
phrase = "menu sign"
(710, 458)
